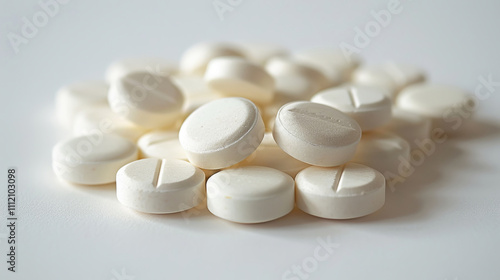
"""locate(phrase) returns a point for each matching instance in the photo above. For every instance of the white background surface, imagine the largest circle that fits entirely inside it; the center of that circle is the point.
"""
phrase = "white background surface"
(443, 223)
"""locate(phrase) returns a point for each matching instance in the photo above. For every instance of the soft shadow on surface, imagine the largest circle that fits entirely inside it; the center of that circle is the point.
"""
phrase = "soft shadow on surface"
(405, 200)
(475, 129)
(106, 191)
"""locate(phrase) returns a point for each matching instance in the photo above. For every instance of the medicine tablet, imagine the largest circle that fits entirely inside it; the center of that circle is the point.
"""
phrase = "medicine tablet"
(294, 81)
(252, 194)
(409, 126)
(232, 76)
(146, 99)
(74, 98)
(382, 151)
(195, 59)
(101, 120)
(222, 133)
(92, 160)
(161, 144)
(390, 76)
(157, 66)
(316, 134)
(333, 63)
(447, 106)
(345, 192)
(260, 53)
(369, 106)
(195, 91)
(159, 186)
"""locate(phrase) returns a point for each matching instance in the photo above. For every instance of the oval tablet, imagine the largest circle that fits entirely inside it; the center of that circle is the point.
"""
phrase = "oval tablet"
(101, 120)
(92, 160)
(251, 194)
(121, 68)
(195, 59)
(222, 133)
(160, 186)
(448, 106)
(345, 192)
(333, 63)
(316, 134)
(233, 76)
(74, 98)
(369, 106)
(161, 144)
(148, 100)
(390, 76)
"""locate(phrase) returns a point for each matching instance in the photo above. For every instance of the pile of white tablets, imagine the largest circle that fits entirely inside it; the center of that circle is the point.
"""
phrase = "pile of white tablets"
(253, 129)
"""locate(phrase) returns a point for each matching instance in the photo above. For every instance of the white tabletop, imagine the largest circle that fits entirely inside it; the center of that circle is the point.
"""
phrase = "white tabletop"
(442, 223)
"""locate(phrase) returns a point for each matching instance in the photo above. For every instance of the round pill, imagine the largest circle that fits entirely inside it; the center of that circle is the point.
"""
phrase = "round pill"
(157, 66)
(222, 133)
(333, 63)
(148, 100)
(408, 125)
(101, 120)
(161, 144)
(232, 76)
(316, 134)
(74, 98)
(382, 151)
(369, 106)
(252, 194)
(390, 76)
(447, 106)
(160, 186)
(195, 59)
(260, 53)
(195, 91)
(91, 159)
(345, 192)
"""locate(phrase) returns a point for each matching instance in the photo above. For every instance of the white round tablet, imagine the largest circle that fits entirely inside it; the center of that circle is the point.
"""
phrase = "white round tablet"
(408, 125)
(161, 144)
(316, 134)
(101, 120)
(369, 106)
(233, 76)
(252, 194)
(333, 63)
(222, 133)
(160, 186)
(157, 66)
(447, 106)
(390, 76)
(146, 99)
(196, 92)
(382, 151)
(74, 98)
(260, 53)
(195, 59)
(91, 159)
(345, 192)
